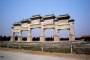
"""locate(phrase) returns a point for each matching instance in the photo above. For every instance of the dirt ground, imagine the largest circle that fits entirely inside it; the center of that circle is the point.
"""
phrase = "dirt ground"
(78, 56)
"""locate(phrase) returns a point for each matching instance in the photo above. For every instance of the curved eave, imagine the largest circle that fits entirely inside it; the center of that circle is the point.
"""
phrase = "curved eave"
(35, 18)
(46, 17)
(63, 17)
(16, 24)
(27, 21)
(72, 20)
(51, 16)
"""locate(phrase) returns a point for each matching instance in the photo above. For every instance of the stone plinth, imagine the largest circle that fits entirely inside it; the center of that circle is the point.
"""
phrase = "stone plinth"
(42, 38)
(71, 37)
(56, 38)
(12, 39)
(19, 38)
(29, 39)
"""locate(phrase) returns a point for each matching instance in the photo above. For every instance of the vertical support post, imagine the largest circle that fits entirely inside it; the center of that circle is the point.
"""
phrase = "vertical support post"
(12, 36)
(19, 37)
(29, 38)
(71, 35)
(42, 38)
(56, 36)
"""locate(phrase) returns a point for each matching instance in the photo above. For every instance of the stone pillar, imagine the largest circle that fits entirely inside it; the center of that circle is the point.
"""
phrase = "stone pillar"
(12, 36)
(42, 38)
(56, 36)
(20, 37)
(29, 38)
(71, 35)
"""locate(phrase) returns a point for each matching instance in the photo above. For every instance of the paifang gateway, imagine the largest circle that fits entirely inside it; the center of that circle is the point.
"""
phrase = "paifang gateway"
(60, 22)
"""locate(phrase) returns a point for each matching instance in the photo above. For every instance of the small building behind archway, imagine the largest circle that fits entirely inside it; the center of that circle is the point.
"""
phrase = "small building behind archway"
(86, 37)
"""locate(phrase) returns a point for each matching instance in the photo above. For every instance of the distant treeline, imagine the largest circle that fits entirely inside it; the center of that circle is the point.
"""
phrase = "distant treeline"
(7, 38)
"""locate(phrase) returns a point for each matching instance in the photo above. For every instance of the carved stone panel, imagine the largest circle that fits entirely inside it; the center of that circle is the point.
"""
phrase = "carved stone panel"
(63, 21)
(63, 26)
(49, 26)
(24, 28)
(16, 27)
(35, 21)
(50, 21)
(35, 26)
(16, 30)
(24, 25)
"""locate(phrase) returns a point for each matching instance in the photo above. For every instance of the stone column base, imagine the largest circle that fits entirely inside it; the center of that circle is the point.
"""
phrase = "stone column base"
(19, 38)
(71, 38)
(56, 38)
(12, 38)
(42, 38)
(29, 39)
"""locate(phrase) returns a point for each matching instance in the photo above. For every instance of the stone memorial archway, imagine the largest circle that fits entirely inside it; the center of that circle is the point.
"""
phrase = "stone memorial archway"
(48, 21)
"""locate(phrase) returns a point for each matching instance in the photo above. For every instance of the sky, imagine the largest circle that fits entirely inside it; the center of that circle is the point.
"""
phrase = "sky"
(15, 10)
